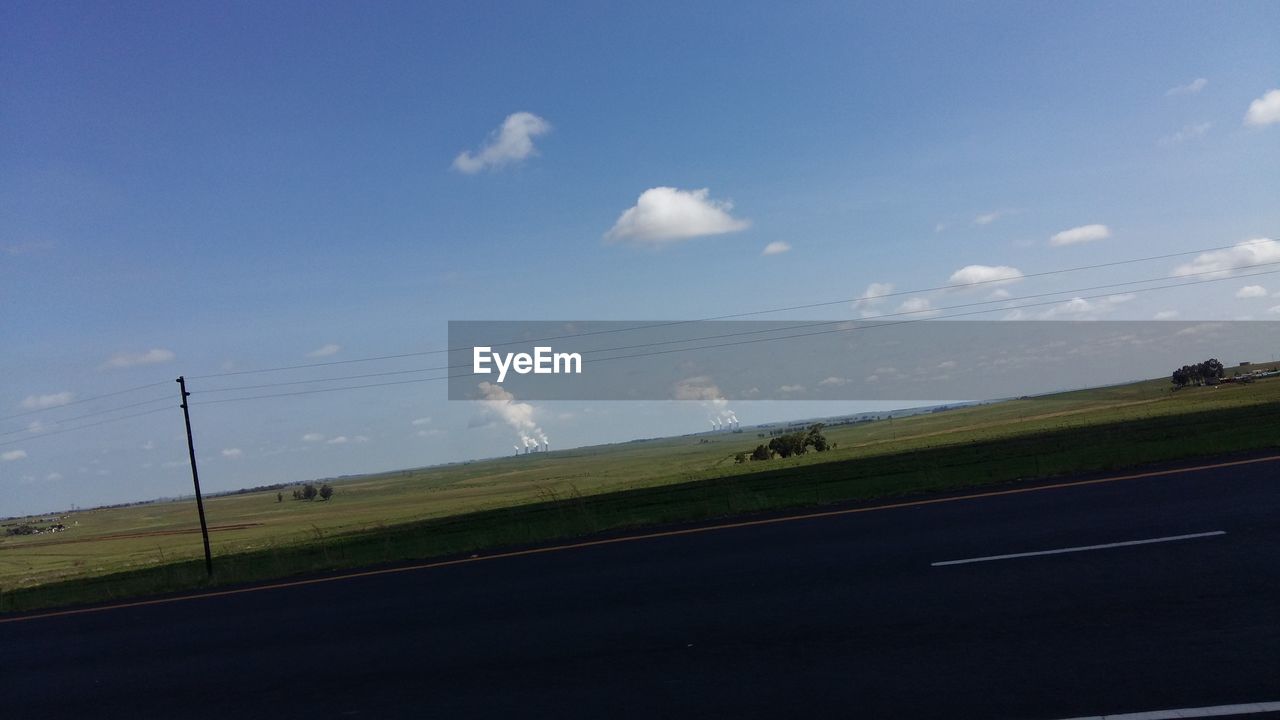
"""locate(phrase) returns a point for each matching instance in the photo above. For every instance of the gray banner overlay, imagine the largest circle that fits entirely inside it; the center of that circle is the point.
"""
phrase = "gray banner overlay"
(834, 360)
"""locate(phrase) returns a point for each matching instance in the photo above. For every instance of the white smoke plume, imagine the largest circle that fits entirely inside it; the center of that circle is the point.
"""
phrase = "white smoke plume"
(501, 405)
(702, 389)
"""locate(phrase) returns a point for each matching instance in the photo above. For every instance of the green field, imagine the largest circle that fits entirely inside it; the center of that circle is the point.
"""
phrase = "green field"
(118, 552)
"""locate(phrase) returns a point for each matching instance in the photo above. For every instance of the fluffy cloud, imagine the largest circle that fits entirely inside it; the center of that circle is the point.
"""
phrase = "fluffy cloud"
(232, 453)
(917, 306)
(328, 350)
(1166, 315)
(1082, 309)
(1251, 291)
(421, 421)
(13, 455)
(666, 214)
(1190, 88)
(788, 389)
(40, 402)
(1274, 309)
(510, 143)
(874, 294)
(340, 440)
(776, 247)
(985, 274)
(1265, 110)
(312, 437)
(1082, 234)
(153, 356)
(1221, 263)
(835, 381)
(1188, 132)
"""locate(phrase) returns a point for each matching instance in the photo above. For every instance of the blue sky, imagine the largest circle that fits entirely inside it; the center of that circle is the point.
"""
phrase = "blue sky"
(238, 186)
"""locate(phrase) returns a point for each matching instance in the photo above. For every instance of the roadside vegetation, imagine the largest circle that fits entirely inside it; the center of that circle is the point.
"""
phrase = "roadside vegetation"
(465, 508)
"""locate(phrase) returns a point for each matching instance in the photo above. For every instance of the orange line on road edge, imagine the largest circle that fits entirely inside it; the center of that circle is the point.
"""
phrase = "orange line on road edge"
(633, 538)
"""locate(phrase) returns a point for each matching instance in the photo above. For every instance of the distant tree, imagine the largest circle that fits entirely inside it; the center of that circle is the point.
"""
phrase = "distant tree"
(279, 497)
(740, 458)
(309, 492)
(761, 453)
(326, 491)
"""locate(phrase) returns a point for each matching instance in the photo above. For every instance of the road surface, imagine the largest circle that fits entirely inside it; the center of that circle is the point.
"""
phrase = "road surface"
(1127, 595)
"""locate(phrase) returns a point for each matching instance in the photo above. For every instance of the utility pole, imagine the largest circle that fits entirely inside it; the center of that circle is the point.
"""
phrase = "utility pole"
(195, 477)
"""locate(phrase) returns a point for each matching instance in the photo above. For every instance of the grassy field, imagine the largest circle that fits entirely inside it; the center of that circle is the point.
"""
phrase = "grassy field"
(119, 552)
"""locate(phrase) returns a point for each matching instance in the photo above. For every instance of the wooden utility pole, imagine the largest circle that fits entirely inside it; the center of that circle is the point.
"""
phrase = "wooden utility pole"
(195, 477)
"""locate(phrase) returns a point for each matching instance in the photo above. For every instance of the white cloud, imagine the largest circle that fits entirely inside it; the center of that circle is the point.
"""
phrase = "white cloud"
(36, 426)
(1082, 309)
(872, 296)
(791, 389)
(1166, 315)
(1221, 263)
(327, 350)
(776, 247)
(988, 218)
(421, 421)
(510, 143)
(1265, 110)
(1082, 234)
(1251, 291)
(340, 440)
(835, 381)
(53, 476)
(40, 402)
(985, 274)
(666, 214)
(1188, 132)
(1274, 309)
(153, 356)
(1190, 88)
(948, 365)
(917, 305)
(13, 455)
(232, 453)
(1000, 294)
(312, 437)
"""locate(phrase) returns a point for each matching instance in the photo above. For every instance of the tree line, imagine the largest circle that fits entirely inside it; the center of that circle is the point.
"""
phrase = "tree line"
(794, 443)
(1198, 373)
(309, 492)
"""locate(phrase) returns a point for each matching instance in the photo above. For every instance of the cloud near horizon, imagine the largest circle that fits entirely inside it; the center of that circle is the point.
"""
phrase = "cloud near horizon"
(664, 215)
(510, 143)
(1221, 263)
(985, 275)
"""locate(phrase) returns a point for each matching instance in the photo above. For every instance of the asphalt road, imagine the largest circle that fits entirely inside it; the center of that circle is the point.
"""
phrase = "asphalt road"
(843, 615)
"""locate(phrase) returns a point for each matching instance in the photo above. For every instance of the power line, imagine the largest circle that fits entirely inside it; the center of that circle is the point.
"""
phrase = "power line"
(88, 415)
(805, 306)
(81, 427)
(81, 400)
(770, 339)
(1000, 301)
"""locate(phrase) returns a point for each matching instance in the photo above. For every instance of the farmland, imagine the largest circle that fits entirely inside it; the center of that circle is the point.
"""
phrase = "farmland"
(530, 498)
